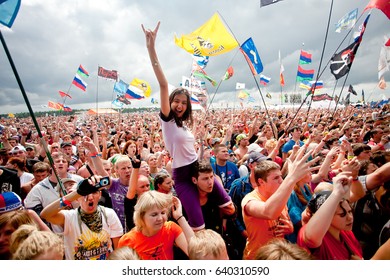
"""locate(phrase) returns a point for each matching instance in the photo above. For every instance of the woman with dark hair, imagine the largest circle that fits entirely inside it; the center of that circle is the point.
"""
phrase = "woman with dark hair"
(328, 233)
(130, 149)
(176, 111)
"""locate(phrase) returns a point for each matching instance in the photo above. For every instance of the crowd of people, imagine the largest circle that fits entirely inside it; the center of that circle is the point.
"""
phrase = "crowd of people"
(181, 184)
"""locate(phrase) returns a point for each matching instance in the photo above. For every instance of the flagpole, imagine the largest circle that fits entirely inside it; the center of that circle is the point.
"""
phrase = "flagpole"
(219, 83)
(341, 92)
(322, 57)
(19, 81)
(97, 92)
(334, 89)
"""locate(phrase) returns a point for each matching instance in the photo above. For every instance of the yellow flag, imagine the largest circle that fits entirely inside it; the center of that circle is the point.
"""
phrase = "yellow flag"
(10, 115)
(211, 39)
(142, 85)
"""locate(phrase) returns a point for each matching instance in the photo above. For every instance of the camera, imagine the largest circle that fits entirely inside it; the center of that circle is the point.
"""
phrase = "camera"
(105, 181)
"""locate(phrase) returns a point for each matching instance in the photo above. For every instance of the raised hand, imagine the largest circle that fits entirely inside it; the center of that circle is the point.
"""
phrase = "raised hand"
(150, 35)
(342, 184)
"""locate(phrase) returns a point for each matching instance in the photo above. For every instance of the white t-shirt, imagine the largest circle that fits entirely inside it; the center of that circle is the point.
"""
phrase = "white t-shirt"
(89, 245)
(25, 178)
(179, 141)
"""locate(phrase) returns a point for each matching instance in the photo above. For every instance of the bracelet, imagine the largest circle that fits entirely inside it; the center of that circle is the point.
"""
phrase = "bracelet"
(64, 202)
(179, 218)
(95, 155)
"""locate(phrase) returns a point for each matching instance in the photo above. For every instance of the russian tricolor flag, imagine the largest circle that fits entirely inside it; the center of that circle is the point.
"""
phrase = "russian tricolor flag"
(264, 80)
(194, 99)
(131, 93)
(78, 82)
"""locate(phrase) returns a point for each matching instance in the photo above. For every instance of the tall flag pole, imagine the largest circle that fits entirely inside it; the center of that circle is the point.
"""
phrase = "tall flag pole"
(281, 78)
(8, 21)
(317, 76)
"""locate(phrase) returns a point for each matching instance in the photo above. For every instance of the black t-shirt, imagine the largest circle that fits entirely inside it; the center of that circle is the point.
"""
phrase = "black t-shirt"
(9, 181)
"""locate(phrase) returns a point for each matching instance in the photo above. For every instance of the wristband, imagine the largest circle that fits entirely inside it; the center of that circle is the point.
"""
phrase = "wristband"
(177, 220)
(95, 155)
(64, 202)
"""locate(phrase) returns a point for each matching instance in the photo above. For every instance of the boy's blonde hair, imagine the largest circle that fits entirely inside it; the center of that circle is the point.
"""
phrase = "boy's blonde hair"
(124, 253)
(206, 243)
(146, 202)
(28, 243)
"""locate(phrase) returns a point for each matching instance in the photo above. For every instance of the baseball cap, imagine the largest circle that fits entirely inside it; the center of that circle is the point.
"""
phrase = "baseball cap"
(17, 149)
(256, 157)
(64, 144)
(9, 201)
(239, 137)
(215, 141)
(254, 148)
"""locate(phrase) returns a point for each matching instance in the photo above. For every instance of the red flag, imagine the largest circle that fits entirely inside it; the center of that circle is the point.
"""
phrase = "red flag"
(383, 5)
(63, 94)
(54, 105)
(387, 44)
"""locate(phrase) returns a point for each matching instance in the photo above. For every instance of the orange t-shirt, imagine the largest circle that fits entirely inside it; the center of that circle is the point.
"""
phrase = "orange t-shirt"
(260, 231)
(156, 247)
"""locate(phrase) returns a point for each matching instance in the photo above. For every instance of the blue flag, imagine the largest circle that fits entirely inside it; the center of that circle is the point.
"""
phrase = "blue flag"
(120, 87)
(8, 11)
(251, 55)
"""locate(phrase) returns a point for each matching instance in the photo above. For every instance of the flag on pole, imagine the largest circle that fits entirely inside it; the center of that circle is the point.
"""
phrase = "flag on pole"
(54, 105)
(63, 94)
(194, 99)
(108, 74)
(351, 90)
(78, 82)
(264, 80)
(203, 75)
(268, 95)
(303, 74)
(305, 57)
(384, 60)
(133, 93)
(240, 85)
(120, 87)
(341, 62)
(200, 60)
(347, 100)
(363, 98)
(382, 5)
(251, 55)
(154, 100)
(281, 71)
(228, 74)
(243, 94)
(347, 21)
(8, 11)
(82, 72)
(142, 85)
(211, 39)
(267, 2)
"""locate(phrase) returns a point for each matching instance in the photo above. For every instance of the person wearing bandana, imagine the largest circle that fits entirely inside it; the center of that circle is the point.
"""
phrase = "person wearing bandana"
(91, 231)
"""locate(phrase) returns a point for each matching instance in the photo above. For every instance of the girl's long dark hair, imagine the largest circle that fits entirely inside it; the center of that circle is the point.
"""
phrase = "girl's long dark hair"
(187, 116)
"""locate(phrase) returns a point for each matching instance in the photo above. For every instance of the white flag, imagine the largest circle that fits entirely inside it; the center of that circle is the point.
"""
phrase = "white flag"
(240, 86)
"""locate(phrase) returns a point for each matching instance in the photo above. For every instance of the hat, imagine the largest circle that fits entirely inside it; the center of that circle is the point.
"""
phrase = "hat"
(66, 180)
(254, 148)
(64, 144)
(18, 148)
(256, 157)
(239, 137)
(29, 148)
(317, 200)
(9, 201)
(215, 140)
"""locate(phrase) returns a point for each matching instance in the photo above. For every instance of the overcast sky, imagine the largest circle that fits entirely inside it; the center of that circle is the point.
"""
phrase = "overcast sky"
(50, 39)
